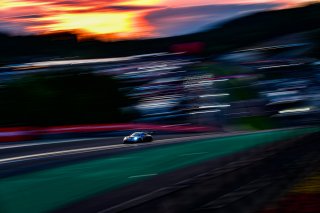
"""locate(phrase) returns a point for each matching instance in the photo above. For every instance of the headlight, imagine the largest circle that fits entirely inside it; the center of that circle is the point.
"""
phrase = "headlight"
(135, 138)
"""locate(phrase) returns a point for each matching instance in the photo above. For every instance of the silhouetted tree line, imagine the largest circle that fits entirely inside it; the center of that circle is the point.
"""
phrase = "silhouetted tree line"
(315, 36)
(58, 99)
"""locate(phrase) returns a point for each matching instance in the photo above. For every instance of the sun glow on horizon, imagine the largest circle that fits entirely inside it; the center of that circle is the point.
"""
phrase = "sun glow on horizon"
(90, 23)
(111, 19)
(117, 18)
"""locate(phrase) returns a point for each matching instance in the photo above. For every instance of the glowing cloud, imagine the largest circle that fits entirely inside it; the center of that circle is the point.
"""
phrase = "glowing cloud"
(114, 19)
(107, 19)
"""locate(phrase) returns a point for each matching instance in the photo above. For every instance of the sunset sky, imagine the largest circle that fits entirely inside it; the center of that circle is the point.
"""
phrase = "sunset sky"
(123, 19)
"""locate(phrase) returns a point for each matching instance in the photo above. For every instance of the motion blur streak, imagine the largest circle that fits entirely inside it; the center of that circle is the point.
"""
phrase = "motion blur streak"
(295, 110)
(59, 153)
(157, 105)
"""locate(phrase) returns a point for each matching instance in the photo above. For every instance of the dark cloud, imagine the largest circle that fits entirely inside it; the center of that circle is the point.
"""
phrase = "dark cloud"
(20, 27)
(183, 20)
(133, 8)
(114, 9)
(84, 2)
(66, 3)
(12, 28)
(35, 16)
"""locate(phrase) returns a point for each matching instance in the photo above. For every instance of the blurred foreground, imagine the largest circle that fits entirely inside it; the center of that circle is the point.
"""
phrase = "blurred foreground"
(267, 86)
(261, 80)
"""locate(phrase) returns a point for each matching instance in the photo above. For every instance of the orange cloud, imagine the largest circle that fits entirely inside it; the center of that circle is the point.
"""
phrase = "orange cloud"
(106, 19)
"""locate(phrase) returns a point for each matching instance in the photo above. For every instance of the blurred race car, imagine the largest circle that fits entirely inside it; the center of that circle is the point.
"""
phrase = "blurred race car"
(138, 137)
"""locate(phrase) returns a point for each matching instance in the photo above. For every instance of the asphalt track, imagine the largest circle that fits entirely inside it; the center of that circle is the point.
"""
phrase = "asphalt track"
(52, 186)
(24, 148)
(18, 158)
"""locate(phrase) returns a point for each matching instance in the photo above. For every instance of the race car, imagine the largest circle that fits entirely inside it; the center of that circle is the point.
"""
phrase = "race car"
(138, 137)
